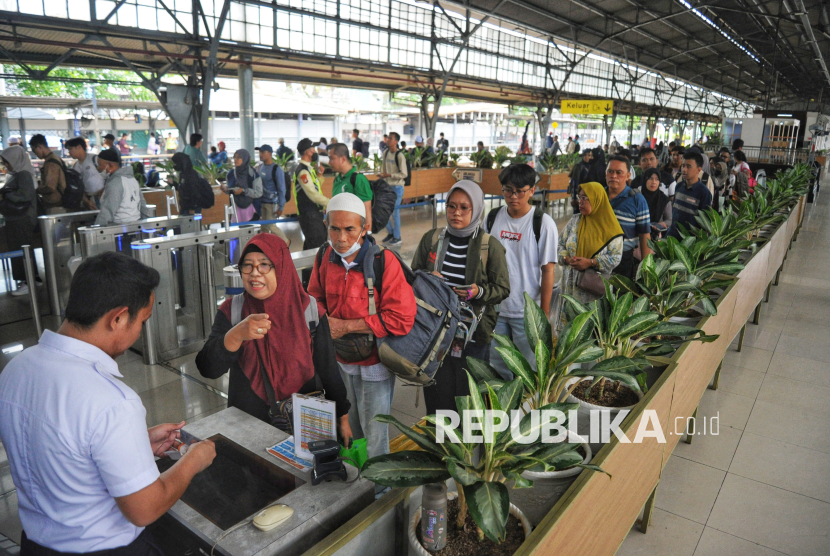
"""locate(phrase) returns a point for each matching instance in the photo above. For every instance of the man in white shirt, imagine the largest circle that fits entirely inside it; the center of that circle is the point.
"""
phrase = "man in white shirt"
(87, 166)
(81, 456)
(531, 239)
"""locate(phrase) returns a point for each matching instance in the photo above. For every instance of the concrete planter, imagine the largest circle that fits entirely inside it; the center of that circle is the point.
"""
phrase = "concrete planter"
(548, 488)
(418, 548)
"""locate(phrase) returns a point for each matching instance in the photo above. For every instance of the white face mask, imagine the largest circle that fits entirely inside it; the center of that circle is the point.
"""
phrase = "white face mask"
(351, 251)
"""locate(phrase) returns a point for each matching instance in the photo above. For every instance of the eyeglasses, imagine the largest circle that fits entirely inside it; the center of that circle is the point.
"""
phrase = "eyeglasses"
(515, 192)
(582, 199)
(262, 268)
(452, 207)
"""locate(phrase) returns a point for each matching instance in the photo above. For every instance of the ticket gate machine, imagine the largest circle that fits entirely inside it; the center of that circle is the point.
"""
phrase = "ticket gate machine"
(192, 283)
(59, 233)
(118, 237)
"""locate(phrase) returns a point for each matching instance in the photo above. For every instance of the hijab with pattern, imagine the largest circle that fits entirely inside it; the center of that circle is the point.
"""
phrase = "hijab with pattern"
(597, 229)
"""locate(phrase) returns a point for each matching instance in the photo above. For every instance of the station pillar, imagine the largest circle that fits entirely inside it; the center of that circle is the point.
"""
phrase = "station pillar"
(246, 105)
(4, 126)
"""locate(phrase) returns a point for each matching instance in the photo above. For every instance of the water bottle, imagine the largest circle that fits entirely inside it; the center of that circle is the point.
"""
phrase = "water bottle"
(434, 516)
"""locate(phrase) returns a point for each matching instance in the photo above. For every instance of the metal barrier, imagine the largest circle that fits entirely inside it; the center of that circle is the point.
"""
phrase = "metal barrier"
(60, 243)
(191, 286)
(775, 155)
(29, 267)
(118, 237)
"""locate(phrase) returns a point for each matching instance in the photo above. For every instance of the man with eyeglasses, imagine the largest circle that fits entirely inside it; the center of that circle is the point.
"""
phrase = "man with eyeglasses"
(530, 239)
(632, 213)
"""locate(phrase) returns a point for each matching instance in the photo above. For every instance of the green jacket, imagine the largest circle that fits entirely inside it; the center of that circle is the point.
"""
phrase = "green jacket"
(494, 281)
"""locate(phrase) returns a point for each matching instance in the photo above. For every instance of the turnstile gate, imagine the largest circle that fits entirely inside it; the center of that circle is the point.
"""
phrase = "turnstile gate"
(118, 237)
(59, 233)
(191, 285)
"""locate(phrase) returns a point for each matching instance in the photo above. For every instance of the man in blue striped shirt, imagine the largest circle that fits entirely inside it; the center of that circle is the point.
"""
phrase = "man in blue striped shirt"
(691, 194)
(631, 210)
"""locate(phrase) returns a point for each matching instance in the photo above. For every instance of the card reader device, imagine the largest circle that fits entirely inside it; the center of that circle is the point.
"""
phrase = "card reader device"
(327, 463)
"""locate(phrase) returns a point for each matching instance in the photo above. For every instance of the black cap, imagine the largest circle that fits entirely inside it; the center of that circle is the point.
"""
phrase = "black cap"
(109, 155)
(268, 148)
(304, 145)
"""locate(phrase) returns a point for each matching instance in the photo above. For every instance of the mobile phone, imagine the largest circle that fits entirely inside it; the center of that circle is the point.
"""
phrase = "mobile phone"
(467, 287)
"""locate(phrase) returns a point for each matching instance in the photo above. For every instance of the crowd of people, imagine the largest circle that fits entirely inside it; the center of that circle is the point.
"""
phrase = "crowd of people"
(286, 334)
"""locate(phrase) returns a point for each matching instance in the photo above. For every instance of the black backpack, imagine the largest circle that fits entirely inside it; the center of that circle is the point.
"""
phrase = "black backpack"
(73, 195)
(537, 221)
(383, 202)
(287, 185)
(204, 193)
(365, 149)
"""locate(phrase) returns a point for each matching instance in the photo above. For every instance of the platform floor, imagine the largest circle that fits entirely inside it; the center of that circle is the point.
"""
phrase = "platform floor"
(761, 487)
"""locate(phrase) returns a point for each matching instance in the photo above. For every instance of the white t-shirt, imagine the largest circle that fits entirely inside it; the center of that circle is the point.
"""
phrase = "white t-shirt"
(93, 180)
(525, 257)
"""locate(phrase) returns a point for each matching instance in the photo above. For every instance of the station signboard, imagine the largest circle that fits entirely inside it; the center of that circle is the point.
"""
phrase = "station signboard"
(587, 107)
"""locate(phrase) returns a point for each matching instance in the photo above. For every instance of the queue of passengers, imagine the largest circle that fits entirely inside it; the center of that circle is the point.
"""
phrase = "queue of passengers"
(278, 338)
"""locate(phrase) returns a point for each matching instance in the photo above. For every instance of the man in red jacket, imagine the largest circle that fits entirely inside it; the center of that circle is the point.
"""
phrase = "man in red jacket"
(338, 284)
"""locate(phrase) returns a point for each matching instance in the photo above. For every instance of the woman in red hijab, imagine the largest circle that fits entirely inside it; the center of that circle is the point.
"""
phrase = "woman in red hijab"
(272, 347)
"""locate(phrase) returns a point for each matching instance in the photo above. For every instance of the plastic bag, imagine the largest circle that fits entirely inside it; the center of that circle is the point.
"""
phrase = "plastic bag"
(357, 453)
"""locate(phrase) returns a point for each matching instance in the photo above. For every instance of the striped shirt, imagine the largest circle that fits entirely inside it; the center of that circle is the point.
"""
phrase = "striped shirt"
(455, 261)
(632, 213)
(687, 202)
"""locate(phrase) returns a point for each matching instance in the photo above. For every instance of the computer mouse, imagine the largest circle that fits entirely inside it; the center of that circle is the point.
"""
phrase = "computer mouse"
(272, 516)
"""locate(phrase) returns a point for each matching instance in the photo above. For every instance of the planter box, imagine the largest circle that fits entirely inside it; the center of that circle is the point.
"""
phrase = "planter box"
(570, 527)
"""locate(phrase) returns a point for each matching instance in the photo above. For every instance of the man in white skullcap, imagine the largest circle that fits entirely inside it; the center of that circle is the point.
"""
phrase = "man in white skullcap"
(357, 318)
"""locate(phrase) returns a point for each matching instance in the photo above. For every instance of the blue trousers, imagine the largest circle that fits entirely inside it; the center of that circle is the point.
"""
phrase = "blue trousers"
(394, 224)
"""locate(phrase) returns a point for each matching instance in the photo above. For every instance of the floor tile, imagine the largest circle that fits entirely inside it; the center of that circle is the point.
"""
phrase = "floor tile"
(739, 380)
(731, 409)
(716, 543)
(793, 345)
(6, 482)
(783, 465)
(178, 401)
(141, 377)
(688, 489)
(798, 426)
(668, 535)
(772, 517)
(405, 399)
(714, 450)
(800, 369)
(796, 394)
(9, 521)
(187, 365)
(762, 337)
(755, 359)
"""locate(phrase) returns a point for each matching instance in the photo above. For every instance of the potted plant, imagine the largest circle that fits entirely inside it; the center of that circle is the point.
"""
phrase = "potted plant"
(480, 468)
(377, 163)
(213, 173)
(454, 159)
(629, 335)
(416, 157)
(360, 163)
(166, 167)
(481, 158)
(502, 155)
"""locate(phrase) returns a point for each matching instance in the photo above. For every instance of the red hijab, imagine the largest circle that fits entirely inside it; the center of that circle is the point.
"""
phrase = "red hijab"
(285, 351)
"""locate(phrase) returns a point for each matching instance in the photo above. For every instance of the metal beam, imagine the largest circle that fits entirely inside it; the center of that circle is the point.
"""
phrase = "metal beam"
(115, 9)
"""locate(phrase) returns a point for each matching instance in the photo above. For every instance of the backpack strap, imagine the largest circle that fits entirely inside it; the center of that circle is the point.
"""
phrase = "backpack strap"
(485, 250)
(439, 259)
(537, 222)
(491, 218)
(369, 278)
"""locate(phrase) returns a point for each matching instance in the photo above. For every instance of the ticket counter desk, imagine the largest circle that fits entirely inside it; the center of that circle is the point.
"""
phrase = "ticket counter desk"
(243, 479)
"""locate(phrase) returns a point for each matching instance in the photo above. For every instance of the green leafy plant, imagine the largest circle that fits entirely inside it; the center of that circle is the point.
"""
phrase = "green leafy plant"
(454, 159)
(502, 155)
(138, 173)
(437, 160)
(360, 163)
(213, 173)
(554, 360)
(416, 157)
(283, 160)
(480, 468)
(377, 163)
(628, 332)
(166, 166)
(482, 159)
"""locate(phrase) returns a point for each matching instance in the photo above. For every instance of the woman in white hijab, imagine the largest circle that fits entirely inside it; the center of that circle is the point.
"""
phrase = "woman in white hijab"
(457, 253)
(18, 205)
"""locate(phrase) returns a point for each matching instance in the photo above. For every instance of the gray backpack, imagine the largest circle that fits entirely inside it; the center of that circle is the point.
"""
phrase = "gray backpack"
(415, 357)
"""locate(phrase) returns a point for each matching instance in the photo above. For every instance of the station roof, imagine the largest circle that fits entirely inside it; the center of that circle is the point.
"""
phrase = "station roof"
(751, 50)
